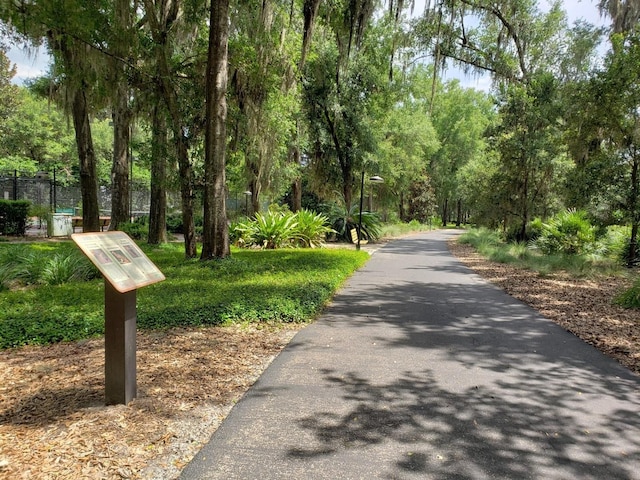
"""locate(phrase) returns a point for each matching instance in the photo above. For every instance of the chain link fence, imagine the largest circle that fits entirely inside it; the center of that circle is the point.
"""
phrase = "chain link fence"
(42, 191)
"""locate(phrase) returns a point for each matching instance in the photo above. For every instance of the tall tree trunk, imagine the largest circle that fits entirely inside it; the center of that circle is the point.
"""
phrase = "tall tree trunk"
(158, 205)
(296, 186)
(401, 209)
(120, 168)
(187, 195)
(121, 115)
(256, 189)
(296, 195)
(216, 230)
(633, 208)
(445, 212)
(87, 158)
(167, 16)
(459, 213)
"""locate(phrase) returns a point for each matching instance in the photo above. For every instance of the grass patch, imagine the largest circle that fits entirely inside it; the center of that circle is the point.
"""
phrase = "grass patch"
(251, 286)
(392, 230)
(489, 244)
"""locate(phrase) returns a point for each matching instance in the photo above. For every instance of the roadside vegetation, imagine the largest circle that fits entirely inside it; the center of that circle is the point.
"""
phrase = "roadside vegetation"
(51, 293)
(567, 243)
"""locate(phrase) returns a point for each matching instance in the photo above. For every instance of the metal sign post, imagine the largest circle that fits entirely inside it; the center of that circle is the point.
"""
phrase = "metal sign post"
(119, 345)
(125, 268)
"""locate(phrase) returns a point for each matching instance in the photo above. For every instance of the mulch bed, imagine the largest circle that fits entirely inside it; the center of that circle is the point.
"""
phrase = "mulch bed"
(583, 307)
(54, 424)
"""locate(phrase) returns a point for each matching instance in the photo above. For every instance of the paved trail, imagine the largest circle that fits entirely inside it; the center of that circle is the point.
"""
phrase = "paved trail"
(421, 369)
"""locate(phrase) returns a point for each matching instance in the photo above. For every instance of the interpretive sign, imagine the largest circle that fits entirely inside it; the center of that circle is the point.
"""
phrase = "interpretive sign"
(119, 259)
(125, 268)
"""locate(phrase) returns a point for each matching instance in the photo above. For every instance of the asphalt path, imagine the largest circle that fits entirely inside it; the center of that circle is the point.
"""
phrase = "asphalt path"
(421, 369)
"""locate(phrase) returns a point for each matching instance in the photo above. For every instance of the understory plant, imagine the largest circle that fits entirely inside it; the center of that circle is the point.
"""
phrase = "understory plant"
(36, 264)
(279, 229)
(343, 220)
(568, 232)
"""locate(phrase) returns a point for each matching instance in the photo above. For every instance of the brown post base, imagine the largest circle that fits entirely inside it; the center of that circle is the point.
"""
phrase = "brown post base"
(119, 345)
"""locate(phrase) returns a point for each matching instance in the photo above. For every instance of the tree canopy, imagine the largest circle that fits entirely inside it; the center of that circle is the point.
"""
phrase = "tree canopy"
(311, 94)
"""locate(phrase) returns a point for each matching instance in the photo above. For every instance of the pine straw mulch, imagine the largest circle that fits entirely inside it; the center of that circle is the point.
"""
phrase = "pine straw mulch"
(54, 424)
(583, 307)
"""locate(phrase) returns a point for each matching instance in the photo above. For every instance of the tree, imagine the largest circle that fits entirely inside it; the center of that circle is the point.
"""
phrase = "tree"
(8, 91)
(527, 141)
(343, 84)
(167, 27)
(406, 141)
(35, 136)
(69, 26)
(609, 131)
(216, 230)
(460, 118)
(624, 14)
(263, 56)
(121, 41)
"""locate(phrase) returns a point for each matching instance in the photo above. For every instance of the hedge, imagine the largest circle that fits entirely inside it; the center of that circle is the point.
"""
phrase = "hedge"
(13, 217)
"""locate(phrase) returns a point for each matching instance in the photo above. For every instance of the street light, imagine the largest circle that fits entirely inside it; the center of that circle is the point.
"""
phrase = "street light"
(374, 179)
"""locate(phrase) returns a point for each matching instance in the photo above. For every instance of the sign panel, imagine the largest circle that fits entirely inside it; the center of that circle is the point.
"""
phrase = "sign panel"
(119, 259)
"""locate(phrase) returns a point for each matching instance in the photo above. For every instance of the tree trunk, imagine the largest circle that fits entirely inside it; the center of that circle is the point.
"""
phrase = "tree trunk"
(160, 33)
(158, 205)
(459, 213)
(296, 186)
(120, 169)
(296, 195)
(216, 230)
(445, 212)
(633, 209)
(401, 209)
(187, 196)
(255, 188)
(87, 159)
(121, 115)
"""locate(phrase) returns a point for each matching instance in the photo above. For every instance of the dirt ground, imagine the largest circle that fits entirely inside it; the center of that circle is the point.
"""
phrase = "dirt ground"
(53, 422)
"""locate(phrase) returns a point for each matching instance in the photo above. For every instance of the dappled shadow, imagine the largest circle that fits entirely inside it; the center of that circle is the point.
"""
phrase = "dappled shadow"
(421, 369)
(473, 433)
(489, 389)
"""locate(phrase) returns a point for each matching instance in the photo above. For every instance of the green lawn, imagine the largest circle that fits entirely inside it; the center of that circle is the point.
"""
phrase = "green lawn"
(289, 285)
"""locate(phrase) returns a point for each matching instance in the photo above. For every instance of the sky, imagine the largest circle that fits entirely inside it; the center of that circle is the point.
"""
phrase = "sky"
(35, 63)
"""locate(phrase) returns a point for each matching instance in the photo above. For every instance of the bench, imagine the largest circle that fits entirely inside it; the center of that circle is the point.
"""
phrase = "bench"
(354, 237)
(103, 222)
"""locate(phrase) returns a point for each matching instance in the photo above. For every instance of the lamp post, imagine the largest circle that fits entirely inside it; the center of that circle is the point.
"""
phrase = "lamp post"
(374, 179)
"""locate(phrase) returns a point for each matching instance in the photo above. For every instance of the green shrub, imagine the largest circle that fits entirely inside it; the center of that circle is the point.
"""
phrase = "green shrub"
(312, 229)
(274, 230)
(67, 267)
(631, 297)
(174, 223)
(343, 220)
(43, 264)
(569, 232)
(13, 217)
(138, 230)
(280, 228)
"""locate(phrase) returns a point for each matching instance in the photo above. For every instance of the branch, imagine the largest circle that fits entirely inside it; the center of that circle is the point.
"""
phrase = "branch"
(510, 28)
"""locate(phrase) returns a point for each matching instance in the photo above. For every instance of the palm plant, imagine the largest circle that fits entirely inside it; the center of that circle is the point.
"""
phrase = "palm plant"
(343, 220)
(311, 229)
